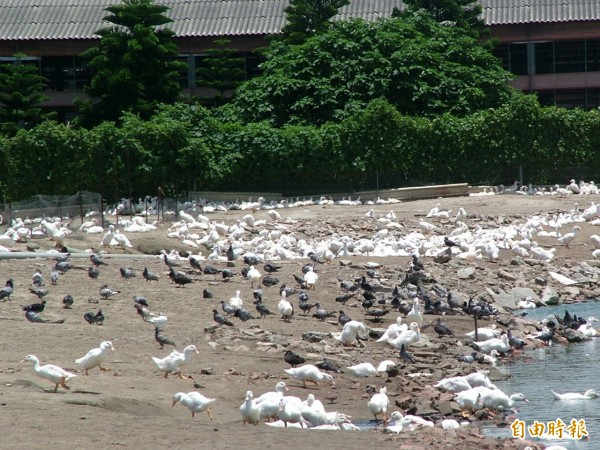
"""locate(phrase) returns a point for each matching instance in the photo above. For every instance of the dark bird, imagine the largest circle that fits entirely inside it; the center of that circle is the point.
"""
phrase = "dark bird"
(315, 258)
(303, 296)
(64, 266)
(207, 294)
(450, 243)
(293, 359)
(227, 309)
(547, 334)
(515, 342)
(37, 279)
(405, 355)
(96, 260)
(127, 273)
(321, 313)
(417, 265)
(243, 315)
(348, 286)
(468, 358)
(149, 276)
(306, 307)
(68, 301)
(343, 319)
(140, 300)
(452, 303)
(180, 279)
(220, 319)
(443, 257)
(31, 316)
(195, 264)
(93, 272)
(106, 292)
(262, 309)
(288, 291)
(35, 307)
(344, 298)
(308, 267)
(269, 281)
(329, 366)
(373, 273)
(54, 277)
(210, 270)
(377, 313)
(92, 318)
(251, 260)
(367, 303)
(257, 294)
(230, 253)
(366, 286)
(270, 268)
(299, 280)
(161, 338)
(7, 290)
(441, 329)
(39, 293)
(227, 274)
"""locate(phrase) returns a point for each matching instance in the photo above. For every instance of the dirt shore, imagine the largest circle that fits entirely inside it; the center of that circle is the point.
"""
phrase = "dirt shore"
(130, 405)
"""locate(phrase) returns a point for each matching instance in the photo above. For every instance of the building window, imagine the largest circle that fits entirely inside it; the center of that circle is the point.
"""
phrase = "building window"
(569, 56)
(501, 52)
(592, 58)
(517, 58)
(544, 57)
(65, 73)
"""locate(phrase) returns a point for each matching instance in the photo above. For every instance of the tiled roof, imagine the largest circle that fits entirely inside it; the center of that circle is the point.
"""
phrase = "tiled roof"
(80, 19)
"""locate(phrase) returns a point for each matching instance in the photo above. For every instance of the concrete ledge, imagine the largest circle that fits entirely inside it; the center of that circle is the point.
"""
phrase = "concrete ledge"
(419, 192)
(231, 196)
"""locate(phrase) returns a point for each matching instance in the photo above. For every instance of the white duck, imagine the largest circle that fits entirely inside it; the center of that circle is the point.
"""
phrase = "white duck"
(172, 362)
(485, 333)
(587, 330)
(362, 370)
(500, 345)
(410, 422)
(407, 338)
(236, 302)
(250, 410)
(414, 315)
(492, 358)
(393, 330)
(95, 357)
(269, 401)
(567, 238)
(195, 402)
(308, 372)
(350, 332)
(528, 303)
(453, 384)
(310, 278)
(285, 308)
(290, 412)
(479, 379)
(379, 403)
(108, 237)
(55, 374)
(587, 395)
(253, 276)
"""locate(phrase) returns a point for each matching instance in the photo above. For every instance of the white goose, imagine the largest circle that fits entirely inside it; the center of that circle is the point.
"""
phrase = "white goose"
(269, 401)
(285, 308)
(485, 333)
(379, 404)
(195, 402)
(55, 374)
(587, 395)
(250, 410)
(350, 332)
(253, 276)
(500, 345)
(362, 370)
(410, 422)
(290, 412)
(95, 357)
(410, 336)
(453, 384)
(172, 362)
(308, 372)
(414, 315)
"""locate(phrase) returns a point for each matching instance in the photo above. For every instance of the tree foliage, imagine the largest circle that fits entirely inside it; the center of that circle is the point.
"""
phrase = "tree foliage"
(222, 71)
(306, 18)
(21, 88)
(134, 66)
(461, 13)
(417, 65)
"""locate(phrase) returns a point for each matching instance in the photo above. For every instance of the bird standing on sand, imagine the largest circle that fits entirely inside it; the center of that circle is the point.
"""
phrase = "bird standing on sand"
(293, 359)
(220, 319)
(161, 338)
(149, 276)
(68, 301)
(106, 292)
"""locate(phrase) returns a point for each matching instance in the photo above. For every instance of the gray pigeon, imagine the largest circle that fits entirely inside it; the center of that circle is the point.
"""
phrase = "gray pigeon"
(127, 273)
(105, 292)
(161, 338)
(33, 317)
(93, 272)
(149, 276)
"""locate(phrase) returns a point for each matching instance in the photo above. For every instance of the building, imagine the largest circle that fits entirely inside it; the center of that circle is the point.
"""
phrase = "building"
(552, 46)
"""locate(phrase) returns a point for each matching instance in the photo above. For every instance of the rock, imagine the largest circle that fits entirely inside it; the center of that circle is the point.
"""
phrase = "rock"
(573, 335)
(345, 263)
(506, 275)
(571, 291)
(540, 281)
(511, 298)
(314, 336)
(213, 345)
(277, 339)
(466, 273)
(446, 408)
(550, 296)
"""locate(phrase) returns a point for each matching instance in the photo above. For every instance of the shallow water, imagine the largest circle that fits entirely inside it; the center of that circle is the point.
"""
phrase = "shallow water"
(563, 368)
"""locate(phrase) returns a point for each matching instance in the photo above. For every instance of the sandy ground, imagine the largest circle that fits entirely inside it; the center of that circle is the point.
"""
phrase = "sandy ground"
(130, 405)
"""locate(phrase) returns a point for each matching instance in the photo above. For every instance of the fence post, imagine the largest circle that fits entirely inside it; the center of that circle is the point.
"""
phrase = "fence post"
(102, 210)
(80, 207)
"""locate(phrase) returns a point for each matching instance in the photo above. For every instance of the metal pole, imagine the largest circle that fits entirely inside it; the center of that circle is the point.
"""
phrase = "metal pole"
(80, 207)
(476, 332)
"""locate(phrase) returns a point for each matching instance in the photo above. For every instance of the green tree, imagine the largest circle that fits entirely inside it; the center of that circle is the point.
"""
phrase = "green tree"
(21, 88)
(462, 13)
(417, 65)
(134, 66)
(222, 70)
(306, 18)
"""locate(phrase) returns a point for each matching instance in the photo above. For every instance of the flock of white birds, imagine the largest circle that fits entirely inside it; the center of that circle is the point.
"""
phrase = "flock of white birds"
(274, 238)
